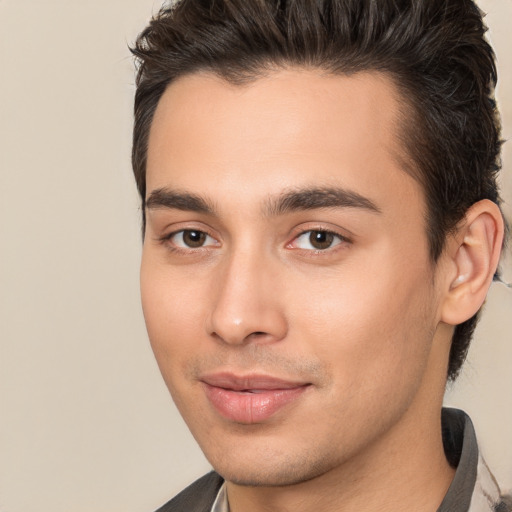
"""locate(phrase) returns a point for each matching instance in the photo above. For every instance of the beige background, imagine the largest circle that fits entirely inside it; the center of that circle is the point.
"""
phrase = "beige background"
(86, 424)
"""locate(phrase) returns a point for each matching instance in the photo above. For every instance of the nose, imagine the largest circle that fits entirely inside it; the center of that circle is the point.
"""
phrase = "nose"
(247, 306)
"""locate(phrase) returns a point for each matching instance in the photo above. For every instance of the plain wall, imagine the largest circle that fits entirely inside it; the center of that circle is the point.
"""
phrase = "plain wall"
(86, 423)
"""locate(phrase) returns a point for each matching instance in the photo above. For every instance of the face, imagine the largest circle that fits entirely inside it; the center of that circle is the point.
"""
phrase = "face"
(286, 283)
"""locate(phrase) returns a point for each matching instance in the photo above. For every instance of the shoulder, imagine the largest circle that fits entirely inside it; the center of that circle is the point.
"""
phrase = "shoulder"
(474, 488)
(197, 497)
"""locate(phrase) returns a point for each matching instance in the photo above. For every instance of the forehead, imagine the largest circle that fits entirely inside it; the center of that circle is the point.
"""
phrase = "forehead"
(289, 129)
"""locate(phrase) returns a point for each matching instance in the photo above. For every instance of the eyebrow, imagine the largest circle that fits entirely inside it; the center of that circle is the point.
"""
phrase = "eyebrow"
(314, 198)
(173, 199)
(287, 202)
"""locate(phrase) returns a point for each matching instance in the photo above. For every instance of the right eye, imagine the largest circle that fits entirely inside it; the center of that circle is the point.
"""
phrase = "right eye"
(319, 240)
(191, 239)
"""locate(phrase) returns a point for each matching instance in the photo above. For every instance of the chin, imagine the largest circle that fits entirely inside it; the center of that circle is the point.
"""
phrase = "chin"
(270, 471)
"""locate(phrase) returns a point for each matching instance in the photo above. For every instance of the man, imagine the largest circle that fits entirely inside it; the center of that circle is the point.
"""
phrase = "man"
(321, 227)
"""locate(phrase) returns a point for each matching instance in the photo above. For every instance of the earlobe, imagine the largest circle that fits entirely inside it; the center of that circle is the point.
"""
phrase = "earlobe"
(474, 252)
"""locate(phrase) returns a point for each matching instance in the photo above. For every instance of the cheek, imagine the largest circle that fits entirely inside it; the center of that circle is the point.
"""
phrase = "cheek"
(171, 312)
(376, 327)
(171, 305)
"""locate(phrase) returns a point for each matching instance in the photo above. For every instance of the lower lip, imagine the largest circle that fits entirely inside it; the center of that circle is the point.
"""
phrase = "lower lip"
(243, 407)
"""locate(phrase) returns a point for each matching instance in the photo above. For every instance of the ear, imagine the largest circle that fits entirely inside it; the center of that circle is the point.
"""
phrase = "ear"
(473, 254)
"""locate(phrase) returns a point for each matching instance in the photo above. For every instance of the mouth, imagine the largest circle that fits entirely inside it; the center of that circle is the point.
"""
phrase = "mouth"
(250, 399)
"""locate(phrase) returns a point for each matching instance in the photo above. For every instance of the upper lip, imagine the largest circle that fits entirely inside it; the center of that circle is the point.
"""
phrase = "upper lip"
(248, 382)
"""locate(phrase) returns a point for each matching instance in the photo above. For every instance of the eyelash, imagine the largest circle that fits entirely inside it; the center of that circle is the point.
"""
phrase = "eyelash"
(167, 240)
(332, 237)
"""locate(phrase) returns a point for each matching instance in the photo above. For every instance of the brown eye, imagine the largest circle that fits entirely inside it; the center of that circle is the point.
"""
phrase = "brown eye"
(321, 239)
(192, 239)
(317, 240)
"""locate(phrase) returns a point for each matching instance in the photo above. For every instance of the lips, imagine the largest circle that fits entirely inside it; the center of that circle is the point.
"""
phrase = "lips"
(250, 399)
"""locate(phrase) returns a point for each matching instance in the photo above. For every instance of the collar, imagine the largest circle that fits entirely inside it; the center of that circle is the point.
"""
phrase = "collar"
(221, 501)
(474, 488)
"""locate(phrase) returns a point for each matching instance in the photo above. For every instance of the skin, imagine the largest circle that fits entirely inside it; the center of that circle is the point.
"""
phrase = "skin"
(359, 321)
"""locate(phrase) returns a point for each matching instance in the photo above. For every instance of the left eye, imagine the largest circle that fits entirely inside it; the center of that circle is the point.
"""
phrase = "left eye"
(191, 239)
(317, 240)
